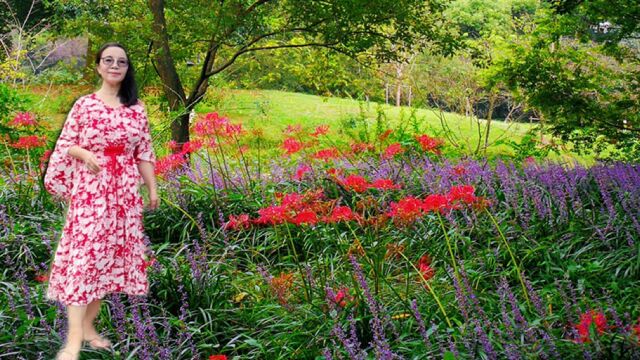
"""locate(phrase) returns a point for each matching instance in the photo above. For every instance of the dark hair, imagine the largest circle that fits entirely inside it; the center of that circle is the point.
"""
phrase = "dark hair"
(128, 92)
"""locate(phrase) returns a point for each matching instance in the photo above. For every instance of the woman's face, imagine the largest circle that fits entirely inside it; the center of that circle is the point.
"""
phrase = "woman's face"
(113, 65)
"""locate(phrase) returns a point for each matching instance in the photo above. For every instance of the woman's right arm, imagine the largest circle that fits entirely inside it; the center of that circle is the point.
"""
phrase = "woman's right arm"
(86, 156)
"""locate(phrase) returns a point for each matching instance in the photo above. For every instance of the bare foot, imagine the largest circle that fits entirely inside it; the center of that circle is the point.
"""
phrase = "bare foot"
(94, 339)
(71, 350)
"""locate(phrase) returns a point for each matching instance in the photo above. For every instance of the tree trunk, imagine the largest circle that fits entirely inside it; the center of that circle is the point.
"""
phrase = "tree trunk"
(168, 74)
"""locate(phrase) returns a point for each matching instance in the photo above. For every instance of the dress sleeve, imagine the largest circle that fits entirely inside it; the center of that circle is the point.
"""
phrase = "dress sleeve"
(58, 177)
(144, 149)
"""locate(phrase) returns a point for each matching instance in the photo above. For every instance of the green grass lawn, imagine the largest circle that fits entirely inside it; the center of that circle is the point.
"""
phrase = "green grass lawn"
(272, 111)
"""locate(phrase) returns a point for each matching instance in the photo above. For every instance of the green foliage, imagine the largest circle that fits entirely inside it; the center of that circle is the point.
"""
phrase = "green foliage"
(582, 91)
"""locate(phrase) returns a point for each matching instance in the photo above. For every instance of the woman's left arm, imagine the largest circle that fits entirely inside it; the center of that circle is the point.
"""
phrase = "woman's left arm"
(146, 160)
(146, 170)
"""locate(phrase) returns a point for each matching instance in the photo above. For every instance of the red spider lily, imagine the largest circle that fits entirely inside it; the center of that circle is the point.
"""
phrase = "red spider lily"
(341, 213)
(384, 184)
(342, 297)
(326, 154)
(29, 142)
(305, 217)
(355, 183)
(459, 170)
(191, 146)
(293, 129)
(301, 171)
(291, 146)
(238, 222)
(392, 150)
(586, 320)
(169, 163)
(320, 130)
(41, 278)
(23, 119)
(293, 201)
(233, 129)
(436, 202)
(463, 193)
(214, 125)
(274, 215)
(333, 172)
(210, 124)
(44, 159)
(636, 330)
(385, 135)
(424, 265)
(406, 210)
(358, 148)
(217, 357)
(429, 144)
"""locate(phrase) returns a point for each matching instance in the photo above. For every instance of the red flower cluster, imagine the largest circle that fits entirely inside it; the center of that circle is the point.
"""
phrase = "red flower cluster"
(360, 184)
(292, 146)
(587, 319)
(424, 265)
(326, 154)
(29, 142)
(429, 144)
(301, 171)
(410, 208)
(217, 357)
(42, 278)
(392, 150)
(342, 297)
(170, 163)
(295, 208)
(358, 148)
(23, 119)
(320, 130)
(214, 125)
(355, 182)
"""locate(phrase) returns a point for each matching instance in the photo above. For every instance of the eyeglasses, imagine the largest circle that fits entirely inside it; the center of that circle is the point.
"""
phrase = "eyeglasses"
(109, 61)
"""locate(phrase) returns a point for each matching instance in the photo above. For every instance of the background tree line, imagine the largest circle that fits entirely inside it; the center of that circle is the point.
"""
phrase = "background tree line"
(571, 65)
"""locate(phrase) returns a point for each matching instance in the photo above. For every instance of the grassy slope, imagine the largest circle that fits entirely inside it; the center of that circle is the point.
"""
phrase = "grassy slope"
(272, 111)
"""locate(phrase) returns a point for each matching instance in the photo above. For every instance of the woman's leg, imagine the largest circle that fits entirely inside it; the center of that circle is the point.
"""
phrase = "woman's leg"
(87, 324)
(75, 314)
(89, 329)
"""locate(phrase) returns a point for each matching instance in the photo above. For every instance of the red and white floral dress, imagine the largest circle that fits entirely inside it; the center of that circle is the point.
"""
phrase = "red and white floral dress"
(102, 248)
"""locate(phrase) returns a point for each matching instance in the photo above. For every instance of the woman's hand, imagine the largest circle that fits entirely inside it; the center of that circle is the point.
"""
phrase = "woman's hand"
(86, 156)
(153, 199)
(91, 162)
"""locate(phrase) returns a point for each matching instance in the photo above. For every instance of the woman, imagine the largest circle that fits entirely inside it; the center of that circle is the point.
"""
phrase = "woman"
(103, 152)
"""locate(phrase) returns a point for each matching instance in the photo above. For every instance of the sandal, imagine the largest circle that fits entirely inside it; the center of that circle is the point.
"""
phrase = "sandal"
(99, 343)
(74, 356)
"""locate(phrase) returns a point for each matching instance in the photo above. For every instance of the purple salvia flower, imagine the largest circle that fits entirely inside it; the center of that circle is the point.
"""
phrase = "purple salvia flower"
(421, 327)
